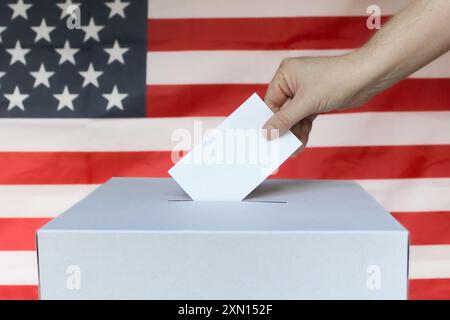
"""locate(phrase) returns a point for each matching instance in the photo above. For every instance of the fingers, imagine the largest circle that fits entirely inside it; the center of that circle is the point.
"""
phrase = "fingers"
(278, 124)
(289, 114)
(302, 130)
(277, 92)
(281, 97)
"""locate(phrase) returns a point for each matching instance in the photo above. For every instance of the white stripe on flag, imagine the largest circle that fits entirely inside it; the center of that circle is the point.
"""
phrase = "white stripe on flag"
(40, 200)
(426, 262)
(406, 195)
(158, 9)
(335, 130)
(239, 67)
(381, 129)
(138, 134)
(410, 195)
(431, 261)
(18, 268)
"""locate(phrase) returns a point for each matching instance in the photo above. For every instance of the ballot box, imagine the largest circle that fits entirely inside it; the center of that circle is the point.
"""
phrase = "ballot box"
(143, 238)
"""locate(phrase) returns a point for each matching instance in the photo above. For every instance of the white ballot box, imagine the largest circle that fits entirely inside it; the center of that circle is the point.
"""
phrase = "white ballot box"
(143, 238)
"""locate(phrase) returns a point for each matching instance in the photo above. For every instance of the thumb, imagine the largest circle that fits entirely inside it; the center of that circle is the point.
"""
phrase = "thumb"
(290, 114)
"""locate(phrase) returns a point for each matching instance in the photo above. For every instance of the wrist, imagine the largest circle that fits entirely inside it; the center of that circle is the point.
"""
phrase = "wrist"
(373, 70)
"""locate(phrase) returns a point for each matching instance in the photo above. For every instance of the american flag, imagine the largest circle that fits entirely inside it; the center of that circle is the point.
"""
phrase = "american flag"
(81, 105)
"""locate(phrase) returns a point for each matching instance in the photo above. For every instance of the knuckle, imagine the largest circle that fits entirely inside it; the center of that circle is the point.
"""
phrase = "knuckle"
(285, 63)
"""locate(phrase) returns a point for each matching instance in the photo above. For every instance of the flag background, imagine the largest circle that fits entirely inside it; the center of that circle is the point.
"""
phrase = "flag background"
(203, 59)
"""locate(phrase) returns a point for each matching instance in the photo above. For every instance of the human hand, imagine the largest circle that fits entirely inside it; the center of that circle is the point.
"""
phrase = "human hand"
(304, 87)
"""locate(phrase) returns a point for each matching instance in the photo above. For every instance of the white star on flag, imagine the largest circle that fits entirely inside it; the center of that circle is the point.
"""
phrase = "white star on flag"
(67, 53)
(18, 54)
(91, 30)
(65, 99)
(43, 31)
(42, 77)
(66, 7)
(117, 8)
(20, 9)
(16, 99)
(116, 53)
(115, 99)
(91, 76)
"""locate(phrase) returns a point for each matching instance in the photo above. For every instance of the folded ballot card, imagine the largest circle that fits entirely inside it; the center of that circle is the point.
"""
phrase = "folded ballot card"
(235, 157)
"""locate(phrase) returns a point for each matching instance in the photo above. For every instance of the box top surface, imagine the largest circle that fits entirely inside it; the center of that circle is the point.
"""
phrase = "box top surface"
(159, 204)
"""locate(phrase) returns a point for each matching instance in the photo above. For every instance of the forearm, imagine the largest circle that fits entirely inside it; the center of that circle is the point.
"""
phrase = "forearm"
(306, 86)
(413, 38)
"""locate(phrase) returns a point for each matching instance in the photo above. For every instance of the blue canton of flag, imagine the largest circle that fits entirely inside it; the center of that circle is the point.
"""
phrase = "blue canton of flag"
(52, 67)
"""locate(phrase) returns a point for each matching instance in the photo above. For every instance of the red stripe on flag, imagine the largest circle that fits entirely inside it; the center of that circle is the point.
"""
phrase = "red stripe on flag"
(258, 33)
(205, 100)
(80, 167)
(384, 162)
(19, 292)
(429, 289)
(222, 99)
(429, 228)
(381, 162)
(19, 233)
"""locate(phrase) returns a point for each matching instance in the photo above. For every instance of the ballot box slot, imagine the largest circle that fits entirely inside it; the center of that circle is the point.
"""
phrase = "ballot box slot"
(257, 201)
(265, 201)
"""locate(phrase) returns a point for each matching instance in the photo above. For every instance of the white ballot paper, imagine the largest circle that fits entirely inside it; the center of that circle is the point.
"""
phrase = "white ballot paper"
(234, 158)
